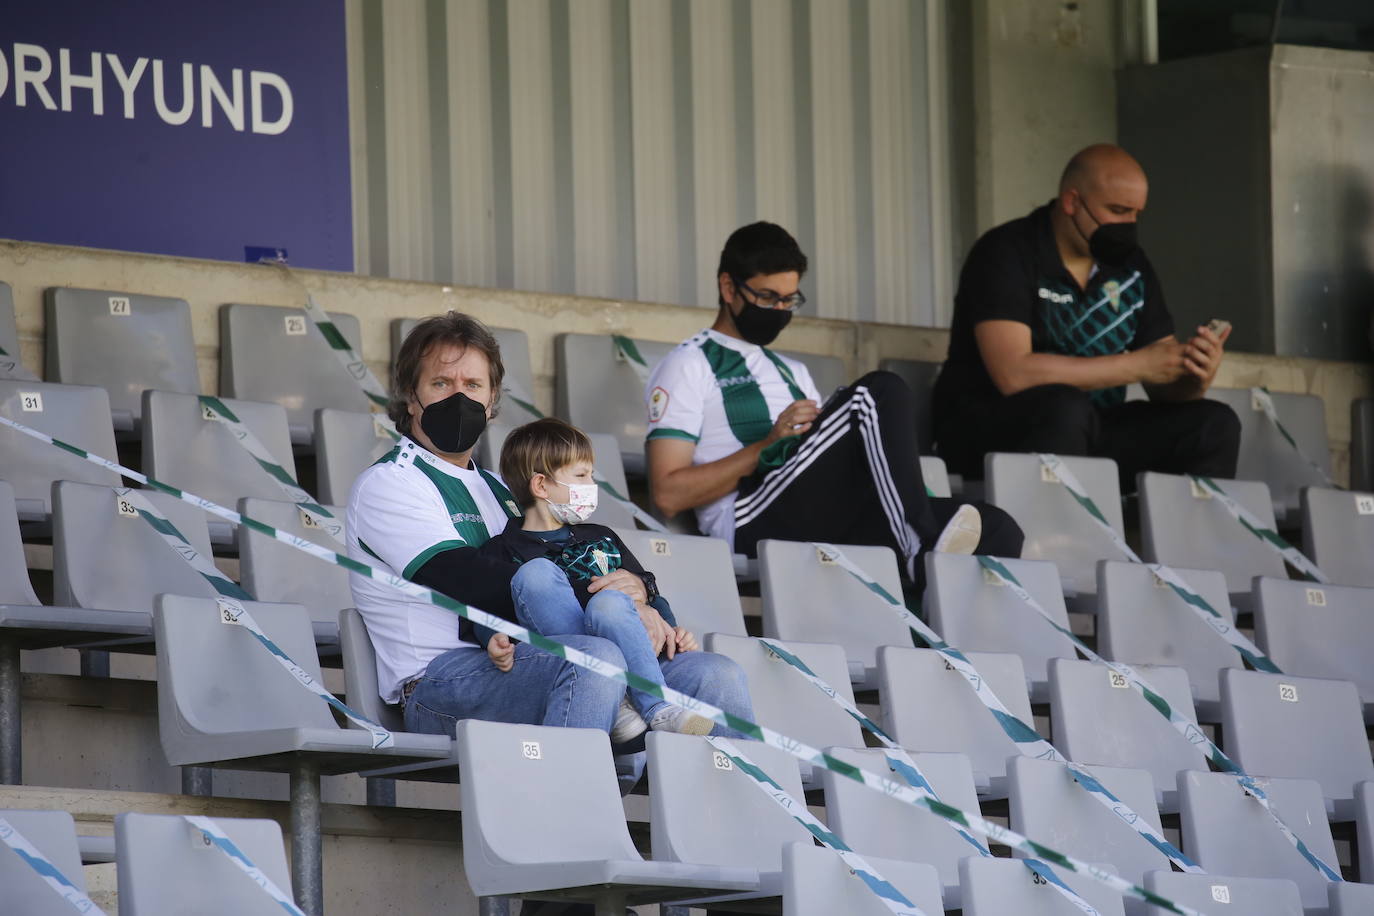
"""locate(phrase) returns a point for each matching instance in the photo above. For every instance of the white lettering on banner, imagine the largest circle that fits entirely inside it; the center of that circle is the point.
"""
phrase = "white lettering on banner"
(257, 79)
(128, 82)
(211, 88)
(24, 77)
(69, 81)
(188, 95)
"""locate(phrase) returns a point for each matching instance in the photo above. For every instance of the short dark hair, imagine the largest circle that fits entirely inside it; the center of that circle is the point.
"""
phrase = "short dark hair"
(760, 248)
(438, 330)
(543, 447)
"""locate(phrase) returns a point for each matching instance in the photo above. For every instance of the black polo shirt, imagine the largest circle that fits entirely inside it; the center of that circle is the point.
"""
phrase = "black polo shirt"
(1014, 273)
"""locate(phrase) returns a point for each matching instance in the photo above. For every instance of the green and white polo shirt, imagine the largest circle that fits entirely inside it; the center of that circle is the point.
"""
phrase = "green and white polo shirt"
(721, 394)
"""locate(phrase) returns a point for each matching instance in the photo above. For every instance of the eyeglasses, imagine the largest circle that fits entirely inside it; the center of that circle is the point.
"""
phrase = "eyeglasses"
(771, 300)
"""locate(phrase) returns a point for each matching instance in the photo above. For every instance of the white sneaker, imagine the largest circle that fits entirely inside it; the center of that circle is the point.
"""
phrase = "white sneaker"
(678, 719)
(629, 724)
(962, 533)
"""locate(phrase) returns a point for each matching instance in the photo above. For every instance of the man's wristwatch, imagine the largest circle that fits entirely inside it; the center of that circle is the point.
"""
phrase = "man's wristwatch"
(650, 586)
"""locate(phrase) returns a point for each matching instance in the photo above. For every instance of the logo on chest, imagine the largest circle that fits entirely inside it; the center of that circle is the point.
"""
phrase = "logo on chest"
(459, 518)
(1112, 290)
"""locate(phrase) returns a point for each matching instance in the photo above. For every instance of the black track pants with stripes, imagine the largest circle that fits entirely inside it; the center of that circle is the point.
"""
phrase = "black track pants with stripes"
(856, 479)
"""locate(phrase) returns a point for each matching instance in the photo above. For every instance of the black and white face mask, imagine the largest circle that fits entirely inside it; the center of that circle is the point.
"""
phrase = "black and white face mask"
(454, 424)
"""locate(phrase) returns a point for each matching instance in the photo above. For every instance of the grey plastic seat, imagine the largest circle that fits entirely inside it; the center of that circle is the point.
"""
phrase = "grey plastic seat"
(1097, 718)
(598, 391)
(1266, 455)
(928, 706)
(53, 833)
(10, 366)
(1364, 829)
(1298, 727)
(808, 599)
(274, 354)
(277, 573)
(1181, 525)
(920, 378)
(1228, 833)
(77, 414)
(816, 882)
(1001, 887)
(1314, 630)
(346, 444)
(166, 866)
(783, 698)
(697, 576)
(123, 342)
(1208, 893)
(515, 359)
(873, 824)
(1141, 621)
(607, 464)
(1338, 533)
(182, 448)
(525, 834)
(973, 613)
(935, 475)
(705, 813)
(828, 372)
(1362, 444)
(1350, 899)
(1057, 528)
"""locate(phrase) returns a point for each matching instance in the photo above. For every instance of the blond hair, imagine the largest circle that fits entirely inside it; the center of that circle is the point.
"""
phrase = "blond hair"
(543, 447)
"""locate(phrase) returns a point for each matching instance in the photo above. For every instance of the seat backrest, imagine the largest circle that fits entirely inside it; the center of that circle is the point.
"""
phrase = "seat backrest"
(1096, 717)
(1364, 828)
(1315, 630)
(76, 414)
(1362, 444)
(935, 475)
(1338, 533)
(123, 342)
(816, 882)
(274, 354)
(920, 378)
(1057, 528)
(515, 359)
(1251, 896)
(827, 372)
(1227, 832)
(972, 609)
(1182, 525)
(809, 599)
(1142, 621)
(360, 672)
(166, 865)
(346, 444)
(607, 464)
(705, 813)
(9, 332)
(1266, 455)
(598, 391)
(105, 558)
(1350, 899)
(783, 698)
(697, 576)
(928, 706)
(15, 587)
(183, 448)
(1299, 727)
(53, 833)
(275, 572)
(1046, 801)
(999, 887)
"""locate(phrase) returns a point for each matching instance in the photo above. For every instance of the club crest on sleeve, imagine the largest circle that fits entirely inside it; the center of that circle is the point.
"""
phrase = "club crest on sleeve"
(658, 403)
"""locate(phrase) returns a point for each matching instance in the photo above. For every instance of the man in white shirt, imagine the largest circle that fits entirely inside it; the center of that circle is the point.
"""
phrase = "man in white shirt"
(739, 434)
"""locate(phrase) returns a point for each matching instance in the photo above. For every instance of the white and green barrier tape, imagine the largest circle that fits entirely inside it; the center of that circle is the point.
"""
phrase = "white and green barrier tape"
(1267, 536)
(904, 793)
(627, 350)
(1262, 400)
(131, 502)
(61, 885)
(216, 837)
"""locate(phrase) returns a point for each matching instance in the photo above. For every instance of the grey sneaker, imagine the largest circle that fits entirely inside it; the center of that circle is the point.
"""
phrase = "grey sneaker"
(673, 718)
(629, 724)
(962, 533)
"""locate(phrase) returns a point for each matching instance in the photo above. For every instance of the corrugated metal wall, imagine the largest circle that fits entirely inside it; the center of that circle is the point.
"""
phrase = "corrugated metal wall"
(608, 147)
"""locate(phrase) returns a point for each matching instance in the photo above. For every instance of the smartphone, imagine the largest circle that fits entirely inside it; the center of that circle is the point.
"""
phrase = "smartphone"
(1218, 325)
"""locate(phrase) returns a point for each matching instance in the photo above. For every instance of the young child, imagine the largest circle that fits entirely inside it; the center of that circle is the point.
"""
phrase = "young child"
(566, 582)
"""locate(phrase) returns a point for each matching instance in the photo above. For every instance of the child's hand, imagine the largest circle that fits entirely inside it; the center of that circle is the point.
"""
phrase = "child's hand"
(501, 651)
(686, 642)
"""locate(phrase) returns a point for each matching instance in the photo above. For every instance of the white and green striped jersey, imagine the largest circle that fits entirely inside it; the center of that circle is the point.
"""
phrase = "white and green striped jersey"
(721, 394)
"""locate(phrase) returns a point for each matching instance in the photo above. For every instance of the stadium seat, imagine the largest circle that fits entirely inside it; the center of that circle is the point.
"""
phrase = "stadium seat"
(828, 372)
(1350, 899)
(280, 574)
(873, 824)
(973, 610)
(182, 448)
(77, 414)
(784, 700)
(274, 354)
(122, 342)
(817, 882)
(1314, 630)
(1364, 829)
(52, 833)
(599, 392)
(346, 444)
(696, 574)
(1266, 455)
(705, 813)
(1362, 444)
(526, 835)
(1338, 533)
(1057, 528)
(1002, 887)
(1141, 621)
(10, 366)
(1208, 893)
(809, 599)
(608, 467)
(1298, 727)
(936, 476)
(928, 706)
(920, 378)
(1182, 525)
(165, 865)
(1228, 833)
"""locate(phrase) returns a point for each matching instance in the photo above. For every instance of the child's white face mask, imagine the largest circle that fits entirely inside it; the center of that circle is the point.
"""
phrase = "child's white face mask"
(580, 505)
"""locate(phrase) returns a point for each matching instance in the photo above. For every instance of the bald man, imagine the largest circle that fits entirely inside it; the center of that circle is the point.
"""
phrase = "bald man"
(1056, 313)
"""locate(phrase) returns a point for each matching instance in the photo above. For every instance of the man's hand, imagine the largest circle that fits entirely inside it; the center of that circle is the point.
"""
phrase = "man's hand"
(661, 638)
(1161, 363)
(795, 419)
(501, 651)
(620, 580)
(686, 642)
(1202, 355)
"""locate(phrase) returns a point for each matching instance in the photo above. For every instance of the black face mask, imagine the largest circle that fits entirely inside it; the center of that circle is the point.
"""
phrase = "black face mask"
(1111, 244)
(454, 424)
(758, 325)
